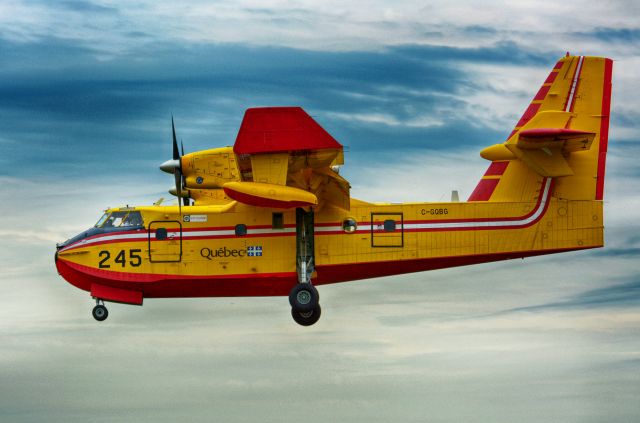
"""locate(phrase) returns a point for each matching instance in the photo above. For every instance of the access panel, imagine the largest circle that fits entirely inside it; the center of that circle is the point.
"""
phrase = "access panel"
(387, 230)
(165, 241)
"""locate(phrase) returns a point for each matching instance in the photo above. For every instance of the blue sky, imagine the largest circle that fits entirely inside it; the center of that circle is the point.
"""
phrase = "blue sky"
(414, 90)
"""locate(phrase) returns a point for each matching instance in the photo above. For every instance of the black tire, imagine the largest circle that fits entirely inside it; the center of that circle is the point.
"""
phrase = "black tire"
(306, 318)
(100, 313)
(303, 297)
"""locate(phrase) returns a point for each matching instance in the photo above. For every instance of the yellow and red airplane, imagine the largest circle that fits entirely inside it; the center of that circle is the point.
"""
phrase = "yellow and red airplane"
(272, 216)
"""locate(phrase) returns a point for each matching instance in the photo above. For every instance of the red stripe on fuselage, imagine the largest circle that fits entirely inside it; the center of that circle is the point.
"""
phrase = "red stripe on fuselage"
(169, 286)
(272, 284)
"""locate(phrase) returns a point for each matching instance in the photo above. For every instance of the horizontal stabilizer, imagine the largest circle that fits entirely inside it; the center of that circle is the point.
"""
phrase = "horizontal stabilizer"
(569, 140)
(548, 162)
(544, 144)
(269, 195)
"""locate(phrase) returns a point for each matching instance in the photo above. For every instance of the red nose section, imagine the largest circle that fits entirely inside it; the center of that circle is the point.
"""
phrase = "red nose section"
(100, 286)
(130, 288)
(71, 275)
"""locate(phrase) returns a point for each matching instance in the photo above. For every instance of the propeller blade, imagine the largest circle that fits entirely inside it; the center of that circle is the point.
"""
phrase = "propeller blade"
(175, 166)
(182, 145)
(178, 179)
(176, 153)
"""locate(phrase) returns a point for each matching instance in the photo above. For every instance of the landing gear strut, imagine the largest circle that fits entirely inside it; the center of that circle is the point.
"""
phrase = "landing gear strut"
(100, 312)
(304, 297)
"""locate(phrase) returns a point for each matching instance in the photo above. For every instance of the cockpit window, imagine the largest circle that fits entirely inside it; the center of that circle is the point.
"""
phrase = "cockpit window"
(132, 219)
(120, 219)
(101, 221)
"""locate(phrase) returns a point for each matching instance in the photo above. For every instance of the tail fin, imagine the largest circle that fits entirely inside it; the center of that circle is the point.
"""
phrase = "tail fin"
(563, 134)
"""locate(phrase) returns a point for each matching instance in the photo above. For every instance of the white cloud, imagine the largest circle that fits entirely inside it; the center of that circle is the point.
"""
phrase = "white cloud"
(441, 345)
(333, 25)
(422, 121)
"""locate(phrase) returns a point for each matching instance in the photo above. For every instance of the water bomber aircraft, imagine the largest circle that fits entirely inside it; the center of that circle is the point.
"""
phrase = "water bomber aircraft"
(271, 215)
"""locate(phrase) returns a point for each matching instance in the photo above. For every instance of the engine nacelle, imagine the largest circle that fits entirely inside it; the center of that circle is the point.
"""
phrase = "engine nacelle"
(210, 169)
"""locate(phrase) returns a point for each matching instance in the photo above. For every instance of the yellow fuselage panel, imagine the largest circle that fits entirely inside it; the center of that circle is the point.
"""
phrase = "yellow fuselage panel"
(208, 244)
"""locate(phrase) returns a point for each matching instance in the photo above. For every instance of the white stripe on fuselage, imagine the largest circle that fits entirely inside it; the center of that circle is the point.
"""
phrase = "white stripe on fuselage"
(478, 224)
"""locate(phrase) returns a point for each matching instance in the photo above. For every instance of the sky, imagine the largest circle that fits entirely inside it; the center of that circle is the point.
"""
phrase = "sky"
(414, 90)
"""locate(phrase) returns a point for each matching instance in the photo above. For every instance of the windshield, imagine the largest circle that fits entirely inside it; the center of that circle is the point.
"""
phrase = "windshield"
(120, 219)
(101, 221)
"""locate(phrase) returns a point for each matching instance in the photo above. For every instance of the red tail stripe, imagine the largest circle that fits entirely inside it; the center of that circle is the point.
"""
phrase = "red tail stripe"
(552, 77)
(604, 128)
(528, 114)
(483, 190)
(542, 92)
(496, 168)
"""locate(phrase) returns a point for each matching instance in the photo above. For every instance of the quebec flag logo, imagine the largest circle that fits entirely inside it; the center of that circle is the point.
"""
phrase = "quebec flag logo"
(254, 251)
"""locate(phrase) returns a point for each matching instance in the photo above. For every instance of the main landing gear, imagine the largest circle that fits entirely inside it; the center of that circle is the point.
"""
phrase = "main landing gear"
(306, 318)
(100, 312)
(304, 297)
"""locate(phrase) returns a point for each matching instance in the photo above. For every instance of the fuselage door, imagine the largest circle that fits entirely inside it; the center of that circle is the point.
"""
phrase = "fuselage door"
(165, 241)
(387, 230)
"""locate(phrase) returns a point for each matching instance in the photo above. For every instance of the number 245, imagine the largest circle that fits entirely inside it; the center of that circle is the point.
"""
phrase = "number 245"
(135, 259)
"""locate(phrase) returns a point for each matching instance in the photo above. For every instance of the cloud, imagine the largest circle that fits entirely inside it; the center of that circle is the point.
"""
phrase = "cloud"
(405, 94)
(415, 91)
(621, 295)
(627, 35)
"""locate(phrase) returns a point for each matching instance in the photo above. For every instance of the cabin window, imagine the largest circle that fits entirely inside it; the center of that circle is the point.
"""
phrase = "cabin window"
(389, 225)
(241, 230)
(277, 221)
(161, 234)
(349, 225)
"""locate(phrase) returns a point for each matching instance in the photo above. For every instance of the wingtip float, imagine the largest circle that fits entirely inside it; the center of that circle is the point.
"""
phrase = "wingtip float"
(272, 216)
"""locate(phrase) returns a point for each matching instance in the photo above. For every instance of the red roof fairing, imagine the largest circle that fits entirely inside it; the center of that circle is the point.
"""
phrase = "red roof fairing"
(281, 129)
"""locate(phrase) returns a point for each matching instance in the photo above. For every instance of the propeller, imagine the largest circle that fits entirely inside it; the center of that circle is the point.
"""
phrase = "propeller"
(185, 198)
(174, 166)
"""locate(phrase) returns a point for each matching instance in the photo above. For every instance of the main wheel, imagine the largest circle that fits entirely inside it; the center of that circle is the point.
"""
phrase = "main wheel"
(307, 318)
(100, 312)
(303, 297)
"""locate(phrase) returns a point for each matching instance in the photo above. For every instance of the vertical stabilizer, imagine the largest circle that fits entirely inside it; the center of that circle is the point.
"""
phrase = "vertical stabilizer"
(562, 134)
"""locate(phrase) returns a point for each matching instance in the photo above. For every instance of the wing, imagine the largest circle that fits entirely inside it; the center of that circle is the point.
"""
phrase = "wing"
(282, 158)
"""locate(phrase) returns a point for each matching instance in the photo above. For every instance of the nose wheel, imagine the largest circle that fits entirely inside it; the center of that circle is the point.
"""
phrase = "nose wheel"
(100, 312)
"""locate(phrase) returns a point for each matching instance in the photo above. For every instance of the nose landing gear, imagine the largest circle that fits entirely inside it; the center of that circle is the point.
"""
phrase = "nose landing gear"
(100, 312)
